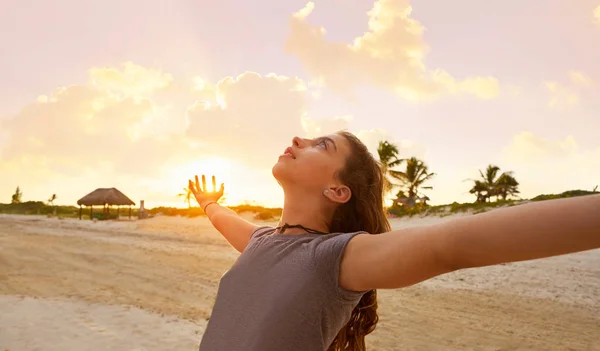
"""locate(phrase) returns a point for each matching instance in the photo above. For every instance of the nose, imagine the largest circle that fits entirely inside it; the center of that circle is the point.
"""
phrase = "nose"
(298, 142)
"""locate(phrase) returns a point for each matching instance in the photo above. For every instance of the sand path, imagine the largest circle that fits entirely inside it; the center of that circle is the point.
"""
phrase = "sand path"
(150, 285)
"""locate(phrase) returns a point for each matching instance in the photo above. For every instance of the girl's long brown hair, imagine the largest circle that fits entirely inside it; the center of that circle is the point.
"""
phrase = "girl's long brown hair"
(363, 212)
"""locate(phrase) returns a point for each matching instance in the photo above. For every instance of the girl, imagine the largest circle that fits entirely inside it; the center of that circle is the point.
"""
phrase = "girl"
(310, 283)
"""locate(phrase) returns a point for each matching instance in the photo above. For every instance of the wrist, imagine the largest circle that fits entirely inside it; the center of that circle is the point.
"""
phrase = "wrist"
(206, 204)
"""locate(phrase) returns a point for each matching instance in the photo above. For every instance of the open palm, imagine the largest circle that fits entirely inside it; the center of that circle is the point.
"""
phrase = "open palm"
(202, 194)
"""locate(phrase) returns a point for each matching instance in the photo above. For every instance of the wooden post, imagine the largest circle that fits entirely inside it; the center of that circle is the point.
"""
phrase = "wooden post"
(92, 212)
(129, 211)
(118, 211)
(79, 212)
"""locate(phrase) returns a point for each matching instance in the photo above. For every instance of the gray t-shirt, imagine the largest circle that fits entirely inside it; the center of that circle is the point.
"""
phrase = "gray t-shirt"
(282, 293)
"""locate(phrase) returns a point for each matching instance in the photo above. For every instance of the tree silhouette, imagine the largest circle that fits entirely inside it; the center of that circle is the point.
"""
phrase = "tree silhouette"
(17, 196)
(187, 196)
(412, 180)
(494, 183)
(388, 157)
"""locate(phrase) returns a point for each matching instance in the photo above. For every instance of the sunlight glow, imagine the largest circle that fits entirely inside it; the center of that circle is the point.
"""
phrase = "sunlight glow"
(241, 183)
(219, 167)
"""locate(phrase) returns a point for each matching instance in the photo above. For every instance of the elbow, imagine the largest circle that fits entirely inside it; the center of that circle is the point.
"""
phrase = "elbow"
(449, 259)
(449, 264)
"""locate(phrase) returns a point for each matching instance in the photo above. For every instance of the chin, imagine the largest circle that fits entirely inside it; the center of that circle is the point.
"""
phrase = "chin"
(283, 173)
(279, 172)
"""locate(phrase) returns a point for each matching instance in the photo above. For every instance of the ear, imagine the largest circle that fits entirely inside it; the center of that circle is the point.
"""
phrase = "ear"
(340, 194)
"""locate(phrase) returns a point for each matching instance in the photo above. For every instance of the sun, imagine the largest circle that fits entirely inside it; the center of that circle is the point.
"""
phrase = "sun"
(223, 170)
(243, 184)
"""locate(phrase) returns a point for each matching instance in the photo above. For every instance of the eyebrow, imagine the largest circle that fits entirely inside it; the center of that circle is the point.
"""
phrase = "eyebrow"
(330, 140)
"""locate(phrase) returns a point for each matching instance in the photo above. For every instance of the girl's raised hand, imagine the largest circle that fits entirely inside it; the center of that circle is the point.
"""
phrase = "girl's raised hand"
(202, 194)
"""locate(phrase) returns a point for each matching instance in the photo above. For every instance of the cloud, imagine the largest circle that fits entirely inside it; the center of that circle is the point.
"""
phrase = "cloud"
(542, 163)
(581, 79)
(527, 147)
(567, 93)
(131, 80)
(79, 126)
(317, 127)
(407, 148)
(92, 135)
(251, 118)
(134, 120)
(560, 94)
(138, 126)
(389, 55)
(370, 137)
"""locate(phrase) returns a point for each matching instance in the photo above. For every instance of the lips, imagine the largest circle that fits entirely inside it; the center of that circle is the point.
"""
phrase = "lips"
(289, 152)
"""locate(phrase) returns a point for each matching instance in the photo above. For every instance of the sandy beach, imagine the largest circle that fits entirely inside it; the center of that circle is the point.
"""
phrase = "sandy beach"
(67, 284)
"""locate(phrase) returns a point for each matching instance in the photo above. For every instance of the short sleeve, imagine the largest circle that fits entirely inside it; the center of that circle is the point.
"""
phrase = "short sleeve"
(261, 231)
(328, 257)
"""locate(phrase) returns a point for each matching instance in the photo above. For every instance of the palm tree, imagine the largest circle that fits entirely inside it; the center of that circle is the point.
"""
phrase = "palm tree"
(506, 185)
(494, 184)
(479, 189)
(388, 157)
(51, 202)
(17, 196)
(416, 174)
(187, 196)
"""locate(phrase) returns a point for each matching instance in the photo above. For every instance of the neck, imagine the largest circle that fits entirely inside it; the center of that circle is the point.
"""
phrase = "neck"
(305, 210)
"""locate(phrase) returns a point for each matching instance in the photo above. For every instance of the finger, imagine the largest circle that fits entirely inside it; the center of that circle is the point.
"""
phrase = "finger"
(214, 183)
(197, 183)
(222, 190)
(203, 183)
(191, 186)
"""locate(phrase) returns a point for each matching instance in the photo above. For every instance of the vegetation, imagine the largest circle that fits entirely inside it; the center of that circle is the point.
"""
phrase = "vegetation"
(17, 196)
(187, 196)
(51, 203)
(262, 213)
(388, 158)
(411, 180)
(38, 208)
(52, 199)
(492, 185)
(570, 193)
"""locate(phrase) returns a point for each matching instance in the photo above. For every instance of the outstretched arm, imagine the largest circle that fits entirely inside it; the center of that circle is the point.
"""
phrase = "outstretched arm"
(535, 230)
(235, 229)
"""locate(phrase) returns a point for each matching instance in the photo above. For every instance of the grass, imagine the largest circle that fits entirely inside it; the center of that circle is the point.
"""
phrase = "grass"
(446, 210)
(265, 213)
(477, 207)
(41, 208)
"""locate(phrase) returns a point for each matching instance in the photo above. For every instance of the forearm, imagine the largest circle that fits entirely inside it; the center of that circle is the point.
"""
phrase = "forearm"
(234, 228)
(220, 217)
(215, 209)
(524, 232)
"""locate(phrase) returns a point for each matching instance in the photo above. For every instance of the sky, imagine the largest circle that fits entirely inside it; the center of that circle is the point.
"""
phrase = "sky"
(142, 95)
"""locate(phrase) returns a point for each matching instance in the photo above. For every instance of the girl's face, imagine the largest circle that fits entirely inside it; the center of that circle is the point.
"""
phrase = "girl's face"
(312, 164)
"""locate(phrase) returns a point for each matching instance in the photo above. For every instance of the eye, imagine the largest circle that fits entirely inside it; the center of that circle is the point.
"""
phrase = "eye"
(323, 143)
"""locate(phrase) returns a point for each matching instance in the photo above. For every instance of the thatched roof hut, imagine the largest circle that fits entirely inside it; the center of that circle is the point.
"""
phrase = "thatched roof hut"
(105, 196)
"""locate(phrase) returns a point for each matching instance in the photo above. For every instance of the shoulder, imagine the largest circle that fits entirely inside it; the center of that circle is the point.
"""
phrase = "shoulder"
(334, 244)
(329, 252)
(261, 231)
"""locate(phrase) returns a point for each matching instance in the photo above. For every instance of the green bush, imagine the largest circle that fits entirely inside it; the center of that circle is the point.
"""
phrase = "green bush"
(566, 194)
